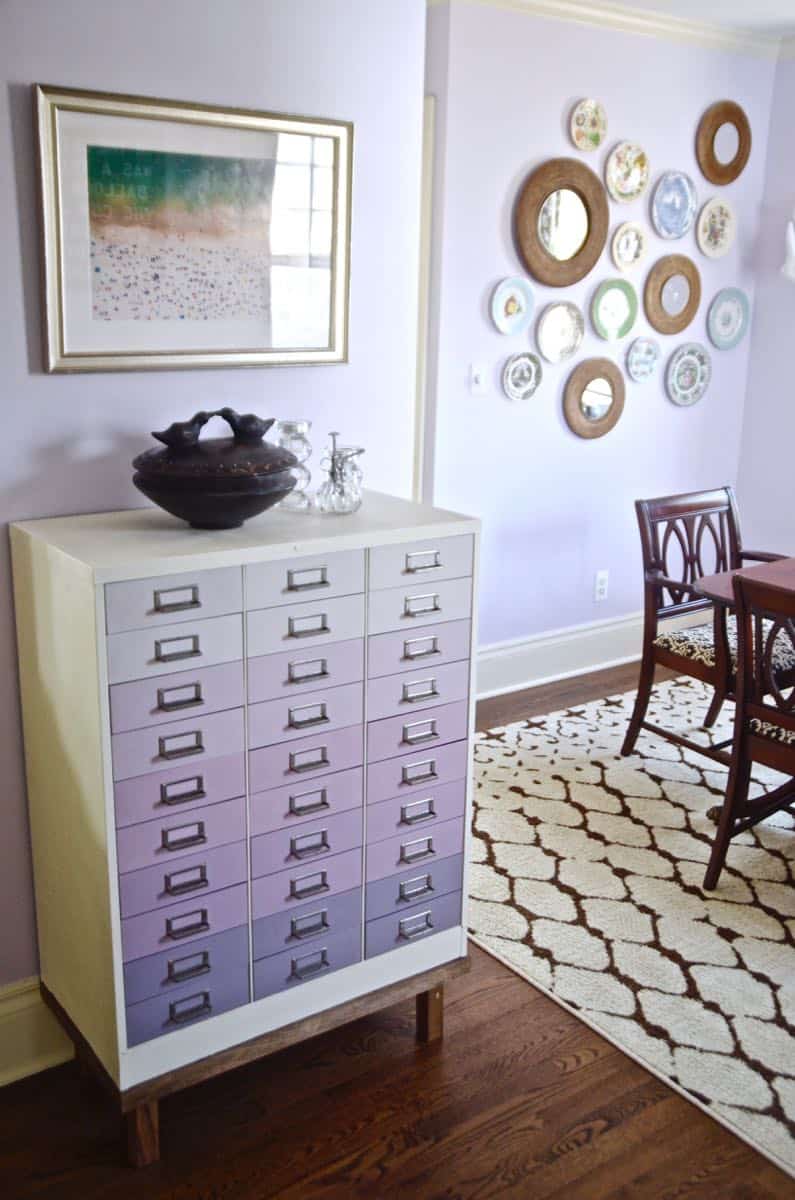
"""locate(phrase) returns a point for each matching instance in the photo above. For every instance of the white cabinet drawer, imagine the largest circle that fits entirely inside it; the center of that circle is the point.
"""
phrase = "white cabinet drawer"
(170, 599)
(413, 563)
(144, 652)
(294, 579)
(419, 604)
(312, 623)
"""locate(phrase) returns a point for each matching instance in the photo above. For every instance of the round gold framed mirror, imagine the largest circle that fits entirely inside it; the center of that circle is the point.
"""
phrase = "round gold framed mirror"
(672, 293)
(594, 398)
(561, 221)
(723, 142)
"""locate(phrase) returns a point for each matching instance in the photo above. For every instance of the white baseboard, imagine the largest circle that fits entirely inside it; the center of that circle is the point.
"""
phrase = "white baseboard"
(30, 1037)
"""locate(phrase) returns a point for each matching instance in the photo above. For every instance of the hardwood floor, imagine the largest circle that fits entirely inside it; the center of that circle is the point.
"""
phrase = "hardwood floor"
(519, 1100)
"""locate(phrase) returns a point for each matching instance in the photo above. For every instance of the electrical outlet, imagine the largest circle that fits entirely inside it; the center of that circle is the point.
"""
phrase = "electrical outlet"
(600, 585)
(477, 379)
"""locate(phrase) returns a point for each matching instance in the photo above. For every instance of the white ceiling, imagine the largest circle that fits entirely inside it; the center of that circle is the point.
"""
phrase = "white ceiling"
(774, 17)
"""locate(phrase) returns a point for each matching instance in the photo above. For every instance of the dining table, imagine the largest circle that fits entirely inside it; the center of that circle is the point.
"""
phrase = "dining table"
(720, 587)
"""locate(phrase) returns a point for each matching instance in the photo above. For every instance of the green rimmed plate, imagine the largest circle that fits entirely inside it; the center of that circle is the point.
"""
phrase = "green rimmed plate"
(614, 309)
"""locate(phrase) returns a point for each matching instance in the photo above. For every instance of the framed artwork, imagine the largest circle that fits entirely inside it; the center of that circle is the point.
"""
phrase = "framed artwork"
(177, 235)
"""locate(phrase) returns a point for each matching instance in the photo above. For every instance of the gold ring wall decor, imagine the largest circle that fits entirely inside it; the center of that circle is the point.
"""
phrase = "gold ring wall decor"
(724, 112)
(663, 271)
(594, 398)
(554, 182)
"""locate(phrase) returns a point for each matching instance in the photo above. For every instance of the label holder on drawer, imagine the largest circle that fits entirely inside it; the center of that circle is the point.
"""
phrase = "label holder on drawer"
(316, 961)
(195, 878)
(408, 929)
(197, 838)
(316, 668)
(171, 798)
(316, 714)
(190, 648)
(415, 732)
(424, 850)
(191, 591)
(411, 603)
(414, 568)
(176, 931)
(419, 772)
(418, 690)
(313, 806)
(307, 845)
(410, 655)
(194, 700)
(169, 752)
(409, 890)
(178, 1014)
(301, 888)
(197, 964)
(314, 764)
(426, 807)
(319, 923)
(318, 579)
(297, 629)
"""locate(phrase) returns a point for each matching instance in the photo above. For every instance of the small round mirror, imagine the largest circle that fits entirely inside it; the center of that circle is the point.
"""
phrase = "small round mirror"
(597, 399)
(726, 143)
(675, 295)
(563, 224)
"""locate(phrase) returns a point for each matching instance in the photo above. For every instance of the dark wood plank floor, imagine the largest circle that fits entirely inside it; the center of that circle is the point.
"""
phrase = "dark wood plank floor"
(519, 1100)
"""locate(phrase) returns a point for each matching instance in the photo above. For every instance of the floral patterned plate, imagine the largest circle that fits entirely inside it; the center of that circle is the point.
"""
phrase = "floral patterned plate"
(642, 359)
(673, 205)
(560, 331)
(727, 320)
(521, 376)
(614, 308)
(629, 245)
(627, 172)
(716, 229)
(512, 304)
(588, 125)
(688, 373)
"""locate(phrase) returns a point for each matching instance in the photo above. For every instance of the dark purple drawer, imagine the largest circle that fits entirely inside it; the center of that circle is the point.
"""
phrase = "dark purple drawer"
(305, 845)
(408, 650)
(175, 969)
(305, 758)
(434, 727)
(415, 849)
(409, 888)
(181, 924)
(305, 883)
(299, 802)
(412, 691)
(184, 694)
(410, 773)
(198, 1000)
(192, 741)
(304, 925)
(179, 833)
(291, 717)
(180, 789)
(414, 925)
(424, 811)
(304, 964)
(298, 671)
(194, 875)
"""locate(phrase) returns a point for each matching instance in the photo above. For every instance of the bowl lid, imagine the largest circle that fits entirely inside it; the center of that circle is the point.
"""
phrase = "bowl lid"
(246, 453)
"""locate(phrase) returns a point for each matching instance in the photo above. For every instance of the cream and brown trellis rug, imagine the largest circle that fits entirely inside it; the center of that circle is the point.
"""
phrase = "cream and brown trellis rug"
(586, 880)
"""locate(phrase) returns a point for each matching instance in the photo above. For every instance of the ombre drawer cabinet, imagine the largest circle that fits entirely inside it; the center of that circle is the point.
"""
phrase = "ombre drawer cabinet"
(248, 770)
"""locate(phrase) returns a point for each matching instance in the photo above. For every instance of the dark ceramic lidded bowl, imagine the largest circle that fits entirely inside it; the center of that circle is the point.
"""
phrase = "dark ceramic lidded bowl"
(217, 483)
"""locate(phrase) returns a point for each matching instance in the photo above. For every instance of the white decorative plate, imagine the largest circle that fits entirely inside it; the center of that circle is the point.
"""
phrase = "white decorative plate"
(512, 304)
(560, 331)
(727, 320)
(688, 373)
(521, 376)
(642, 359)
(627, 172)
(588, 125)
(614, 308)
(673, 205)
(629, 245)
(716, 229)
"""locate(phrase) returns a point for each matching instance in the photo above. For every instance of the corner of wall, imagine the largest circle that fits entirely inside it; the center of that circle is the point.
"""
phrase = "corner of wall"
(31, 1039)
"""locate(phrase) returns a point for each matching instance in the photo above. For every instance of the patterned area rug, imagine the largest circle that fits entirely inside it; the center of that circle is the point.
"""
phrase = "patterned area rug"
(586, 880)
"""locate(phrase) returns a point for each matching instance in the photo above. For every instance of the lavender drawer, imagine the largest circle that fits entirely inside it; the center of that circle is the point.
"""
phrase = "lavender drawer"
(181, 924)
(187, 693)
(180, 833)
(305, 758)
(306, 845)
(308, 882)
(197, 1001)
(299, 671)
(419, 604)
(171, 971)
(180, 789)
(421, 562)
(145, 652)
(413, 925)
(304, 925)
(169, 599)
(314, 623)
(408, 650)
(415, 849)
(412, 773)
(300, 802)
(394, 695)
(421, 811)
(410, 888)
(396, 735)
(303, 964)
(292, 579)
(282, 720)
(194, 875)
(193, 740)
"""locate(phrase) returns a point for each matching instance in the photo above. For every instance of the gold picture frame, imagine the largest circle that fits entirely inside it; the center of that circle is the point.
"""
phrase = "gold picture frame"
(263, 222)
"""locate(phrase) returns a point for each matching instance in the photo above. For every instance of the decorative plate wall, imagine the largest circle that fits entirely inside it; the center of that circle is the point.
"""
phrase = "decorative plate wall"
(560, 331)
(716, 229)
(561, 220)
(642, 359)
(672, 293)
(727, 320)
(588, 125)
(593, 400)
(521, 376)
(627, 172)
(629, 245)
(512, 304)
(673, 206)
(717, 116)
(688, 373)
(614, 308)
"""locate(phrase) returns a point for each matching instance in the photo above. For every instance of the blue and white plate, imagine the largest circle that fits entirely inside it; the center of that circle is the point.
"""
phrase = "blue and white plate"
(642, 359)
(674, 204)
(512, 304)
(727, 320)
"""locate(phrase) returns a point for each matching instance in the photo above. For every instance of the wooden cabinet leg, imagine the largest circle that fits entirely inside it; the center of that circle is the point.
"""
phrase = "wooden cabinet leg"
(143, 1134)
(430, 1014)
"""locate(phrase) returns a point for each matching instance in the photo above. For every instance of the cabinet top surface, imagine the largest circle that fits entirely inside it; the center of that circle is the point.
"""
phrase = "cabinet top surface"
(119, 545)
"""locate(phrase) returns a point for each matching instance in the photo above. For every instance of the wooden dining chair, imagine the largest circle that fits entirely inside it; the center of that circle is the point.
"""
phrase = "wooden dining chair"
(764, 719)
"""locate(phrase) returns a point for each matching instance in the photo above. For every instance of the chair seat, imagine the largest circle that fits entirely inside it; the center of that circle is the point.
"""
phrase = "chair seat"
(768, 729)
(698, 644)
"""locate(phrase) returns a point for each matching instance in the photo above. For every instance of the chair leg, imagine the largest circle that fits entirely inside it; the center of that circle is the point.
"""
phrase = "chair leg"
(645, 684)
(736, 794)
(713, 711)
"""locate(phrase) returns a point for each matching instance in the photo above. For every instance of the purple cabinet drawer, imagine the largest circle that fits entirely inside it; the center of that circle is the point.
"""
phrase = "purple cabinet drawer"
(411, 649)
(410, 888)
(415, 849)
(421, 811)
(145, 652)
(422, 561)
(180, 924)
(434, 727)
(307, 844)
(180, 789)
(300, 802)
(192, 740)
(282, 720)
(411, 774)
(292, 579)
(197, 1001)
(394, 695)
(177, 834)
(305, 758)
(414, 925)
(172, 970)
(307, 882)
(168, 697)
(194, 875)
(303, 626)
(304, 925)
(420, 603)
(306, 963)
(138, 603)
(298, 671)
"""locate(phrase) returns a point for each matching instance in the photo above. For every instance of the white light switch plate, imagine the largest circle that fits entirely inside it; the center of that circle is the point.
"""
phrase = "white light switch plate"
(477, 379)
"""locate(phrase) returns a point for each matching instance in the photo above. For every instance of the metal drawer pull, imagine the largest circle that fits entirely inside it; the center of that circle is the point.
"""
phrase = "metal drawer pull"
(419, 772)
(180, 1011)
(309, 885)
(317, 715)
(189, 967)
(297, 627)
(183, 599)
(179, 883)
(307, 671)
(184, 744)
(170, 795)
(183, 647)
(431, 647)
(411, 696)
(304, 845)
(317, 578)
(413, 567)
(408, 927)
(411, 603)
(311, 806)
(425, 850)
(191, 700)
(309, 924)
(197, 838)
(410, 889)
(175, 930)
(426, 811)
(312, 964)
(423, 731)
(298, 762)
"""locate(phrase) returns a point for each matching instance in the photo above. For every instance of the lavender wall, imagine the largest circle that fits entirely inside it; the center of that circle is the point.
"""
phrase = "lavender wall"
(67, 441)
(556, 508)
